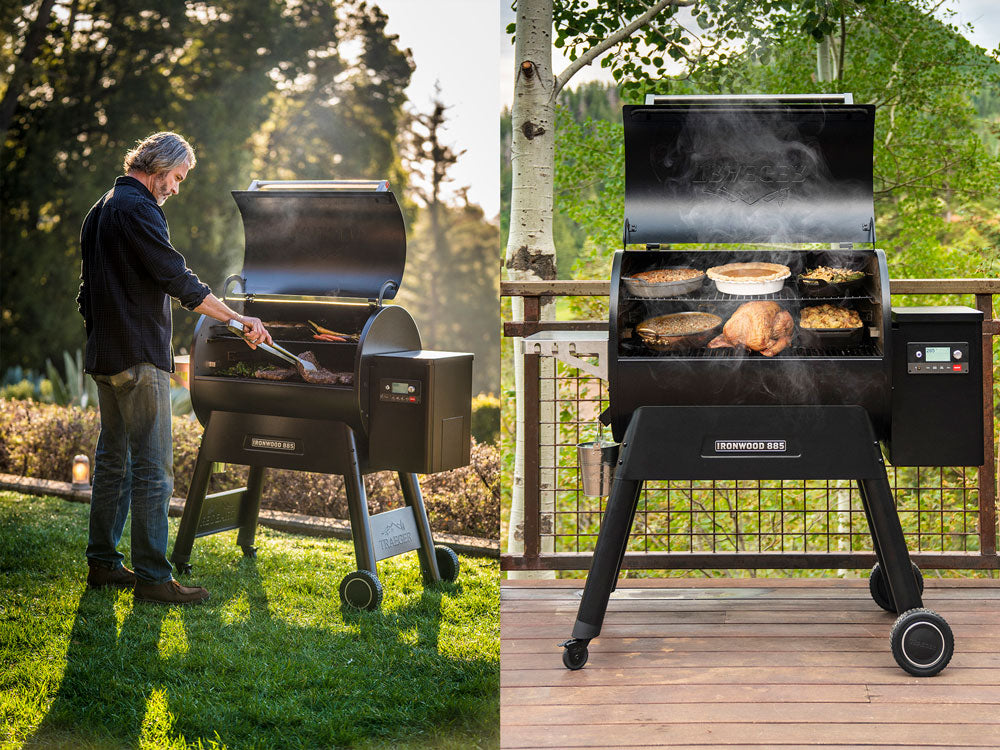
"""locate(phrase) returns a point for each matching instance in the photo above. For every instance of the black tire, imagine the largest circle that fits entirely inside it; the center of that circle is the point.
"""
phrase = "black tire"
(575, 654)
(361, 590)
(878, 587)
(447, 562)
(922, 642)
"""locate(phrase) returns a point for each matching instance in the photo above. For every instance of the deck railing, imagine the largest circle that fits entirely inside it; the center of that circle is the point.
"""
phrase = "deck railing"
(949, 514)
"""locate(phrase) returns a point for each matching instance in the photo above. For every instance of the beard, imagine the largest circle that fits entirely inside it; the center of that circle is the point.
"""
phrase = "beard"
(160, 191)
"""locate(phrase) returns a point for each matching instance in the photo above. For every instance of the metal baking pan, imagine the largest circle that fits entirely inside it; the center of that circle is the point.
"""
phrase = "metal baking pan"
(648, 331)
(655, 289)
(830, 337)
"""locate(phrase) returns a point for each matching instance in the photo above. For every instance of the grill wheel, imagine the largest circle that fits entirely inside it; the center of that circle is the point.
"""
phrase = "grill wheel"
(878, 586)
(922, 642)
(361, 590)
(575, 653)
(447, 562)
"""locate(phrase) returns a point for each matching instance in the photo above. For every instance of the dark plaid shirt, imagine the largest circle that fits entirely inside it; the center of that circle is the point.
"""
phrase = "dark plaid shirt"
(130, 271)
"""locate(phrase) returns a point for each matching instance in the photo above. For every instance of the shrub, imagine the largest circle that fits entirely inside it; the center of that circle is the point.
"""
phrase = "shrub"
(486, 418)
(40, 440)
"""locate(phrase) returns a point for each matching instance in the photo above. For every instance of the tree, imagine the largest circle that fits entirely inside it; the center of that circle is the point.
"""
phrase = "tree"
(452, 271)
(108, 73)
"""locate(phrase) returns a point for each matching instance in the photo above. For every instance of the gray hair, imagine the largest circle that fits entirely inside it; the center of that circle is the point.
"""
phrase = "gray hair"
(158, 153)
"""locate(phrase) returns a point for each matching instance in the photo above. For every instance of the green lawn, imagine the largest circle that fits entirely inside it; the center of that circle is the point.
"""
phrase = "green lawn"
(271, 661)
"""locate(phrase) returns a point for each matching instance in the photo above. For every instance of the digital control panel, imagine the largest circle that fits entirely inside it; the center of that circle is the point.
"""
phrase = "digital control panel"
(399, 391)
(937, 358)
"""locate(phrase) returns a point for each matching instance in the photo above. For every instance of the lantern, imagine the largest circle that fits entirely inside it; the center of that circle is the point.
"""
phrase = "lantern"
(81, 472)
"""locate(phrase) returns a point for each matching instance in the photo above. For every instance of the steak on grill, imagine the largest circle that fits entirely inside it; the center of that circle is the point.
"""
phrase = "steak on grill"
(760, 326)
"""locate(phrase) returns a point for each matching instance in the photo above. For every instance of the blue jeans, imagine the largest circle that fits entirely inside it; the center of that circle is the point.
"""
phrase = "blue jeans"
(133, 467)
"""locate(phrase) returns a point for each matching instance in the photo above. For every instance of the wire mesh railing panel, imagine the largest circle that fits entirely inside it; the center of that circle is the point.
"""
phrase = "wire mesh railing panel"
(938, 506)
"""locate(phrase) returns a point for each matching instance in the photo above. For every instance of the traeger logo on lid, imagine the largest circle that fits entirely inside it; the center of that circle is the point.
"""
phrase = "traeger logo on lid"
(267, 443)
(749, 183)
(751, 446)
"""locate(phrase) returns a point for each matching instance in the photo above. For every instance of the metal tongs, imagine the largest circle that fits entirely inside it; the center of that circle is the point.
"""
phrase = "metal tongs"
(278, 351)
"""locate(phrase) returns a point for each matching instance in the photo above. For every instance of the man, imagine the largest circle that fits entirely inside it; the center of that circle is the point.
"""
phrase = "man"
(130, 271)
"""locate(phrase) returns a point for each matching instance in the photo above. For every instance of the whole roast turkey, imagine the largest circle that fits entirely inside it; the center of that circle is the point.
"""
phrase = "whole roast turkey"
(760, 326)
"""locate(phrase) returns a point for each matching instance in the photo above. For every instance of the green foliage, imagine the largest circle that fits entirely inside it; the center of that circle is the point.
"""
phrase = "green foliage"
(936, 168)
(40, 440)
(270, 661)
(23, 390)
(453, 270)
(261, 89)
(77, 388)
(486, 418)
(452, 287)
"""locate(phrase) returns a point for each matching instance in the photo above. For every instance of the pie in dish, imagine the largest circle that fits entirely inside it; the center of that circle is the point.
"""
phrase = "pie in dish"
(749, 273)
(661, 275)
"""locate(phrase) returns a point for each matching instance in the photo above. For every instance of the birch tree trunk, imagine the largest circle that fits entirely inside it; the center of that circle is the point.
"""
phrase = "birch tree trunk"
(530, 250)
(531, 253)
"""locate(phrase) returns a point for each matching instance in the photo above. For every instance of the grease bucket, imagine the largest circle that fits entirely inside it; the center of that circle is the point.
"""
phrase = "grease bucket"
(597, 466)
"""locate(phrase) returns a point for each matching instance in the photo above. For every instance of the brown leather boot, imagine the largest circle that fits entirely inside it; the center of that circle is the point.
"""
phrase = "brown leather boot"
(101, 578)
(169, 592)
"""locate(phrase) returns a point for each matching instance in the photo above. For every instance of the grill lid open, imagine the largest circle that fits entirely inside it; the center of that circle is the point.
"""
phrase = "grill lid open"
(326, 238)
(758, 169)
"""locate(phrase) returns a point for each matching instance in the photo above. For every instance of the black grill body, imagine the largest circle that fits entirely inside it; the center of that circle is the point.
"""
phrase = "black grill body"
(745, 173)
(329, 254)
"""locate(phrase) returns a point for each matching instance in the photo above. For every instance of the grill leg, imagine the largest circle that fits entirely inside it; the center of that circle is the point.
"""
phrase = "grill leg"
(890, 546)
(624, 549)
(250, 510)
(413, 498)
(357, 506)
(192, 514)
(606, 563)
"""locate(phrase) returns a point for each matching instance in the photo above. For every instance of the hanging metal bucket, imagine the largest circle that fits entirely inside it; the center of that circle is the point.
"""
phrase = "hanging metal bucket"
(597, 466)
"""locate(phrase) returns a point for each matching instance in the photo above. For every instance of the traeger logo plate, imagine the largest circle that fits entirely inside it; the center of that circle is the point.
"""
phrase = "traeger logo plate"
(273, 444)
(747, 447)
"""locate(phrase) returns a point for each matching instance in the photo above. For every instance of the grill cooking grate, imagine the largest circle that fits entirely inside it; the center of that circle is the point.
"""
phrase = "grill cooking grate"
(707, 294)
(640, 350)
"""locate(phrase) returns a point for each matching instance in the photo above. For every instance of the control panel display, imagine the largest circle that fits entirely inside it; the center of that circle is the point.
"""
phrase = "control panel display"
(937, 358)
(399, 391)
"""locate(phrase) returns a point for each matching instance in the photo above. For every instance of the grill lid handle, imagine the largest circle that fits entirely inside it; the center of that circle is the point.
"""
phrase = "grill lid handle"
(387, 286)
(231, 278)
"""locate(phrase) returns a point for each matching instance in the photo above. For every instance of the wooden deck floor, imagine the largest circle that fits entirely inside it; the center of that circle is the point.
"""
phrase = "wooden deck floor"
(749, 663)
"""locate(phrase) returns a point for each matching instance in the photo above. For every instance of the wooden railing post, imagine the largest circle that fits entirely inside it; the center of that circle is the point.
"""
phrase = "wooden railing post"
(987, 472)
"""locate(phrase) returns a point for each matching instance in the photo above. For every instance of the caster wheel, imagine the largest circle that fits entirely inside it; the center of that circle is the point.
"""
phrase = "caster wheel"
(922, 642)
(183, 569)
(361, 590)
(447, 562)
(250, 552)
(878, 586)
(574, 654)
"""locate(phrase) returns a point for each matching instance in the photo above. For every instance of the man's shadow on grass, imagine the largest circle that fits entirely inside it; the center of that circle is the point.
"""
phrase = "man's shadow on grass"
(108, 677)
(249, 675)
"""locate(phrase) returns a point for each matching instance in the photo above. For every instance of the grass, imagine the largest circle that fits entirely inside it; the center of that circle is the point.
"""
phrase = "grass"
(271, 661)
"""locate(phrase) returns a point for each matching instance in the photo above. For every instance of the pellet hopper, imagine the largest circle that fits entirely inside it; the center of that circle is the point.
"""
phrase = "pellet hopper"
(321, 260)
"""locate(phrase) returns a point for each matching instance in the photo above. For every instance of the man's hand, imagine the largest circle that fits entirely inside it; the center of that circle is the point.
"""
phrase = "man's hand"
(254, 331)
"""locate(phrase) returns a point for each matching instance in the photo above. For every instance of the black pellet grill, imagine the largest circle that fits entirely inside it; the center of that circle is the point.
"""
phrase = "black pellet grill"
(329, 252)
(778, 170)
